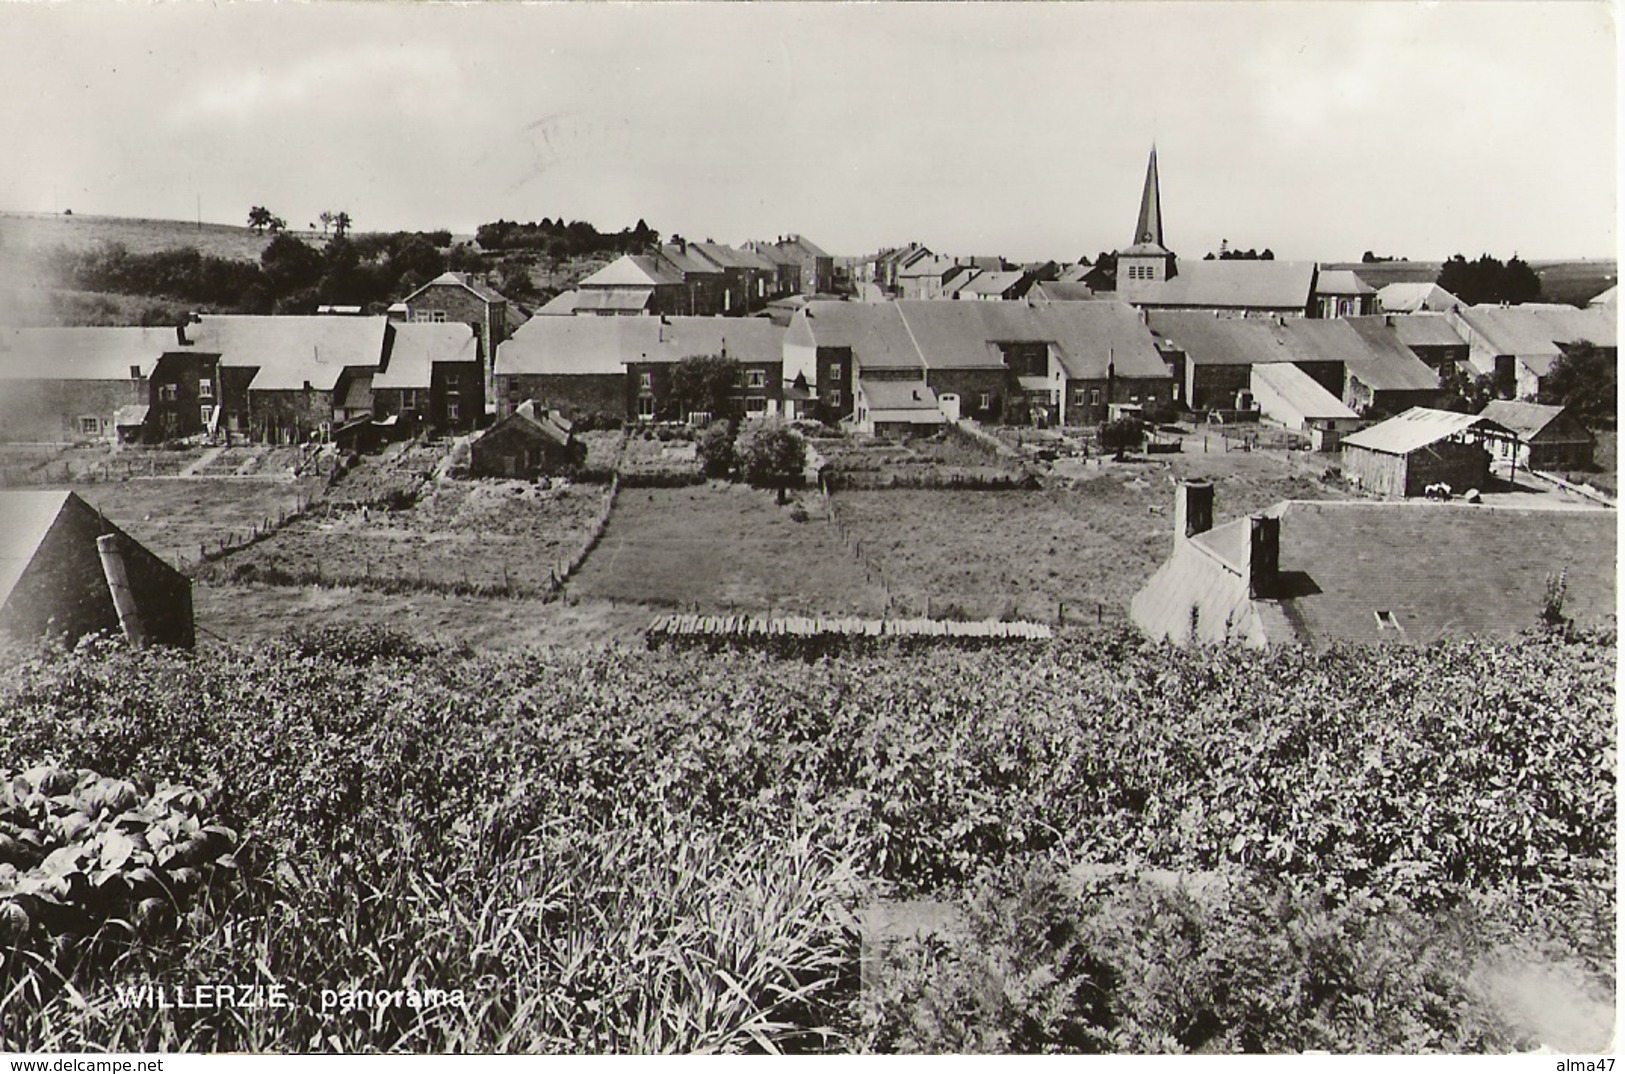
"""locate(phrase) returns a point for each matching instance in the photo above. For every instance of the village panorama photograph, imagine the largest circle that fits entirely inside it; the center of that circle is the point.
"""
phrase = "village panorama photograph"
(815, 528)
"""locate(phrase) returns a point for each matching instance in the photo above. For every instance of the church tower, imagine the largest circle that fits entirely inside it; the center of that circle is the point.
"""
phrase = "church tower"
(1147, 260)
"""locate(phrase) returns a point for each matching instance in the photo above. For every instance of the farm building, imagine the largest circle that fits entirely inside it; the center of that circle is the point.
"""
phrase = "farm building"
(897, 409)
(460, 298)
(1382, 376)
(1213, 357)
(1287, 395)
(432, 377)
(55, 578)
(526, 443)
(59, 385)
(1431, 338)
(1547, 437)
(288, 379)
(1520, 344)
(1403, 455)
(1340, 293)
(598, 369)
(1318, 573)
(632, 285)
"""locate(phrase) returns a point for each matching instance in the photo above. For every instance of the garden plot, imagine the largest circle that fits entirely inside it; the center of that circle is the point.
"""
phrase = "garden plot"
(178, 518)
(723, 547)
(500, 537)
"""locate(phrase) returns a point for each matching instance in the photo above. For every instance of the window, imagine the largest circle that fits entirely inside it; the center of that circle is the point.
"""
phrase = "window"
(1078, 396)
(135, 372)
(646, 381)
(409, 398)
(205, 388)
(757, 405)
(835, 397)
(1387, 621)
(646, 407)
(90, 426)
(756, 378)
(437, 316)
(835, 372)
(205, 414)
(168, 393)
(451, 410)
(986, 401)
(1094, 397)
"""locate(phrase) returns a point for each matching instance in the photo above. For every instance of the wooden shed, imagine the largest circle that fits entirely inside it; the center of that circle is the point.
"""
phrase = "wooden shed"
(55, 580)
(1405, 454)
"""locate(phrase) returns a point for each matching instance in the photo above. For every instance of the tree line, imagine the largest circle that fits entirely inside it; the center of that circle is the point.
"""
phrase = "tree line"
(561, 240)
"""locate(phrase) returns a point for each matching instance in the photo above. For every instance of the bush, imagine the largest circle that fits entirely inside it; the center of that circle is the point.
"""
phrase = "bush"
(715, 445)
(772, 455)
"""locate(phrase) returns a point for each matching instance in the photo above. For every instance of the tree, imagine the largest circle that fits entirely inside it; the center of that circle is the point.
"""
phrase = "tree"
(772, 455)
(1487, 280)
(259, 218)
(277, 225)
(705, 382)
(327, 220)
(715, 447)
(1121, 436)
(1584, 378)
(341, 224)
(289, 265)
(1468, 394)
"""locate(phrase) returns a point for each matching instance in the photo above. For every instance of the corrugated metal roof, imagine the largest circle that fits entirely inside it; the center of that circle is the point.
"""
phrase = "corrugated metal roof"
(417, 346)
(1525, 419)
(616, 299)
(1416, 428)
(83, 353)
(130, 417)
(1264, 285)
(291, 351)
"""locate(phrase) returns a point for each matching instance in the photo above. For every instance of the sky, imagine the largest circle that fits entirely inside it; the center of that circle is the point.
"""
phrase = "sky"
(1317, 129)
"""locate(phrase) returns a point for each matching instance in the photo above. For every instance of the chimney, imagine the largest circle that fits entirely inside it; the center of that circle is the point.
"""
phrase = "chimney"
(1263, 555)
(118, 585)
(180, 335)
(1193, 510)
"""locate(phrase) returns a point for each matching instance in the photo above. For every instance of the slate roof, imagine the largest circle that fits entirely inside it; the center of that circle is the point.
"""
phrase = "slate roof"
(415, 347)
(993, 283)
(727, 257)
(1608, 299)
(875, 332)
(82, 353)
(1300, 391)
(289, 351)
(1062, 291)
(29, 517)
(562, 304)
(1415, 298)
(1267, 285)
(1531, 330)
(632, 270)
(357, 393)
(1086, 336)
(132, 416)
(686, 260)
(899, 395)
(1441, 570)
(928, 266)
(1341, 282)
(1417, 428)
(1424, 330)
(464, 280)
(615, 299)
(1209, 340)
(1369, 349)
(604, 345)
(1528, 420)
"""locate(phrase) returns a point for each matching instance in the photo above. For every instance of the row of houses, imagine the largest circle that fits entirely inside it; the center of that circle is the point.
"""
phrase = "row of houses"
(891, 368)
(270, 379)
(700, 279)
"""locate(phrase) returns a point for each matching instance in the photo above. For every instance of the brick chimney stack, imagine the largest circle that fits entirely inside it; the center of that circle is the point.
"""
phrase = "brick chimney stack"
(1263, 555)
(1193, 510)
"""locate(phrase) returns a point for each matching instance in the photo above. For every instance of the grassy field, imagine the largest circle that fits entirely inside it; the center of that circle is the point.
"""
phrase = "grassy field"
(1576, 281)
(497, 536)
(1021, 554)
(176, 517)
(723, 547)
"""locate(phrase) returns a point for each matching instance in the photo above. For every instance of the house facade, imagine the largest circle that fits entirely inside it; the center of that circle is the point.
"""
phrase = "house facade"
(460, 298)
(1544, 437)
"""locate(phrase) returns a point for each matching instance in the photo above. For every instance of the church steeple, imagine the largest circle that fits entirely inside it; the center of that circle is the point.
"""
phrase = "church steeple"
(1149, 227)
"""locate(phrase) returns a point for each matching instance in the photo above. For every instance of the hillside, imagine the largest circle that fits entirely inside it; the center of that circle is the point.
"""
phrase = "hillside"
(1575, 282)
